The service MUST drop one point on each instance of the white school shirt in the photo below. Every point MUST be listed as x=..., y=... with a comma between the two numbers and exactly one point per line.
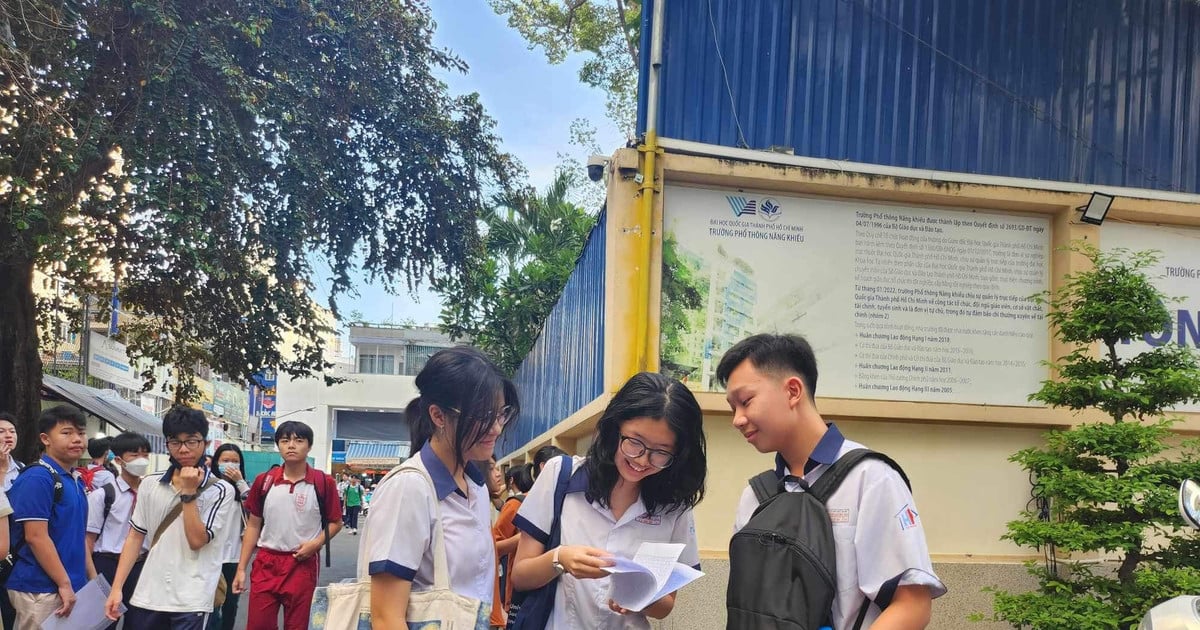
x=10, y=475
x=400, y=535
x=879, y=540
x=5, y=506
x=584, y=603
x=113, y=531
x=175, y=578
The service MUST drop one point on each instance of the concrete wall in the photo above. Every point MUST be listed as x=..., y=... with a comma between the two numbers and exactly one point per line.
x=367, y=392
x=701, y=606
x=966, y=490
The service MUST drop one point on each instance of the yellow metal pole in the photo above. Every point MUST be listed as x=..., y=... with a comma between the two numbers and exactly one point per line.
x=645, y=218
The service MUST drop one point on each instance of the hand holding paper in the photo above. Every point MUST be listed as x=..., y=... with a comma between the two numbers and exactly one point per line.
x=653, y=573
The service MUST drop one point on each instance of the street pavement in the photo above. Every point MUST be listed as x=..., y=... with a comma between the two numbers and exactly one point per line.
x=344, y=565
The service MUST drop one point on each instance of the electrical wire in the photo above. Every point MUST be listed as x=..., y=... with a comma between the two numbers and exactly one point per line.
x=725, y=73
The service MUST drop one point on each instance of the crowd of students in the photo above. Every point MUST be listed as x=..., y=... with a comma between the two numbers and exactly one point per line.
x=180, y=546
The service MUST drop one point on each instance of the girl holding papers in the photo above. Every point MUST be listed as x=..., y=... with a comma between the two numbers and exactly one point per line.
x=639, y=482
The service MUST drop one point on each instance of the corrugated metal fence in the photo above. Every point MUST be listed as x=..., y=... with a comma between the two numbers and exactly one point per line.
x=1094, y=91
x=565, y=369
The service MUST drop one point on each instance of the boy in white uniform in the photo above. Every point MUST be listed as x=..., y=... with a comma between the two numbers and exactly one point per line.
x=106, y=533
x=881, y=552
x=188, y=514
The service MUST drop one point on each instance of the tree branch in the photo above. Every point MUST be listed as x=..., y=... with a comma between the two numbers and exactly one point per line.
x=626, y=34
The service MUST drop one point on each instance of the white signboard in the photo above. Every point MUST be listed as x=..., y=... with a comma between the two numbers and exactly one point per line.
x=900, y=303
x=1177, y=275
x=107, y=361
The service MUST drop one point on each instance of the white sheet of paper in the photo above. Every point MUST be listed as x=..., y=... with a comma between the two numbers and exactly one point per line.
x=635, y=582
x=680, y=577
x=660, y=558
x=88, y=613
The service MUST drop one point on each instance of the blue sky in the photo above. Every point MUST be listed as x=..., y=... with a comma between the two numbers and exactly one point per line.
x=533, y=103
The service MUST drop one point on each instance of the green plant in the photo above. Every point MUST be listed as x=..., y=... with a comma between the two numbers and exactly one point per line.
x=1108, y=487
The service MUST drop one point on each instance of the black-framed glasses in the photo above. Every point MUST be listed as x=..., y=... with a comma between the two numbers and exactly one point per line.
x=192, y=444
x=635, y=448
x=503, y=417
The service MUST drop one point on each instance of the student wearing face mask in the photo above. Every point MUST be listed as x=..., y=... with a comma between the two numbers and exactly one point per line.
x=227, y=464
x=110, y=505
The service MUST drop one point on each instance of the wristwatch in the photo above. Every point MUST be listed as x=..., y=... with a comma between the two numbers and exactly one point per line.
x=187, y=498
x=559, y=569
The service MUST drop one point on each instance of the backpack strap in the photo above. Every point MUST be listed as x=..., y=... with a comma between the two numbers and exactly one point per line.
x=829, y=481
x=560, y=495
x=765, y=485
x=110, y=497
x=56, y=478
x=320, y=490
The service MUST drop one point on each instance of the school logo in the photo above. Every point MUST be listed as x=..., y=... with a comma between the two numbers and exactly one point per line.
x=769, y=210
x=839, y=516
x=907, y=517
x=649, y=520
x=742, y=206
x=301, y=499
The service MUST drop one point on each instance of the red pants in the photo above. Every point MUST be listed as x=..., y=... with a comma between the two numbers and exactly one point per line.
x=277, y=579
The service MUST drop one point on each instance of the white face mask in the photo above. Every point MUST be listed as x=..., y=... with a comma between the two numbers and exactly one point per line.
x=138, y=467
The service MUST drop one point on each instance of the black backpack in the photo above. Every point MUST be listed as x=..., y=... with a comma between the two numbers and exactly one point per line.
x=783, y=563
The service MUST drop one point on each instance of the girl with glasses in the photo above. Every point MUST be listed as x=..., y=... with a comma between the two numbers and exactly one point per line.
x=639, y=482
x=464, y=404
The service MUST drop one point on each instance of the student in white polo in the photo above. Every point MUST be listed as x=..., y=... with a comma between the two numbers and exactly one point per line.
x=106, y=534
x=464, y=404
x=881, y=552
x=639, y=482
x=181, y=571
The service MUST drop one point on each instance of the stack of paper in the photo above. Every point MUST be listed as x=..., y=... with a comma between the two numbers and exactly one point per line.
x=653, y=573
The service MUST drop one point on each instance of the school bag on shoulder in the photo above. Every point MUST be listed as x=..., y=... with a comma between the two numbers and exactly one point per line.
x=7, y=563
x=88, y=475
x=275, y=474
x=530, y=610
x=783, y=563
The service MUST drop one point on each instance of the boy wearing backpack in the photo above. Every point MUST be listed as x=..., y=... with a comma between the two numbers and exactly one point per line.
x=99, y=472
x=49, y=517
x=858, y=553
x=110, y=507
x=294, y=510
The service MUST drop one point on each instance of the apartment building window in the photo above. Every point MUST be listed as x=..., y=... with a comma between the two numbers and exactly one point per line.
x=376, y=364
x=416, y=356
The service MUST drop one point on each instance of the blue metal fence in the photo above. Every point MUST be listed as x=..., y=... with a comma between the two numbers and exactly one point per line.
x=565, y=369
x=1095, y=91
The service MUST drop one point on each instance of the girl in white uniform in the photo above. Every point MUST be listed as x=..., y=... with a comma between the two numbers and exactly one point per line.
x=639, y=482
x=465, y=402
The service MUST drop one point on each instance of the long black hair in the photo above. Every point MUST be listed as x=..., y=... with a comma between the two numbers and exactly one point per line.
x=464, y=384
x=652, y=395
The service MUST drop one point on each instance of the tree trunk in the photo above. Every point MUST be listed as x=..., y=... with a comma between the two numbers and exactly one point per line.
x=20, y=362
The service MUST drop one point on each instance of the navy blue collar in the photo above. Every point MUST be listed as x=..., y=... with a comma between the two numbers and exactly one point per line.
x=579, y=479
x=825, y=453
x=443, y=481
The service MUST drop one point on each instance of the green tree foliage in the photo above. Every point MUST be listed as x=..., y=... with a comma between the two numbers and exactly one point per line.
x=1111, y=486
x=531, y=246
x=608, y=32
x=682, y=295
x=199, y=153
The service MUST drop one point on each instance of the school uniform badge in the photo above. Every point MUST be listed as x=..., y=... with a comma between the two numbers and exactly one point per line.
x=907, y=517
x=649, y=520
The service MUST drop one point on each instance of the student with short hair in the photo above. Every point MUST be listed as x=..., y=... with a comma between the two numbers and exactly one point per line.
x=99, y=472
x=187, y=513
x=111, y=505
x=288, y=528
x=882, y=558
x=643, y=475
x=465, y=403
x=354, y=501
x=50, y=512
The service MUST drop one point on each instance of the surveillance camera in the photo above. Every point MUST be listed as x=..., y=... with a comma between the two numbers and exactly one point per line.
x=595, y=167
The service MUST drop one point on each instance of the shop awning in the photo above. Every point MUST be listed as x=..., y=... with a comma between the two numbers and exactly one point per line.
x=375, y=453
x=107, y=405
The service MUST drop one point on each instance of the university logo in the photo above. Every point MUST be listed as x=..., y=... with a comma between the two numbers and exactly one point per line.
x=907, y=517
x=742, y=206
x=769, y=209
